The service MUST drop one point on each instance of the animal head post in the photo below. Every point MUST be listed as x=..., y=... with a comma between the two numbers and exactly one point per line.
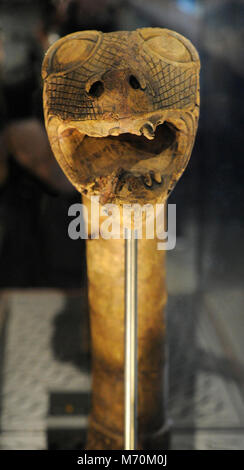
x=121, y=112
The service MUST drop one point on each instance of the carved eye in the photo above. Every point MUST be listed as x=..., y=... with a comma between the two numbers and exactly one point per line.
x=96, y=89
x=168, y=45
x=134, y=83
x=70, y=52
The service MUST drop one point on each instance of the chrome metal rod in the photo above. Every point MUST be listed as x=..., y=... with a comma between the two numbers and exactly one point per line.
x=130, y=377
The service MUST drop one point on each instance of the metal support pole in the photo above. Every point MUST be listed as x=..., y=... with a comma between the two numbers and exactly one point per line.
x=130, y=378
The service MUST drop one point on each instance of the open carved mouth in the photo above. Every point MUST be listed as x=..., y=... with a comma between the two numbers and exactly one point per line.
x=125, y=165
x=163, y=138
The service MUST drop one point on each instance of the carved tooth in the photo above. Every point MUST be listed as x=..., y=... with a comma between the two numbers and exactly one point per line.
x=148, y=131
x=148, y=180
x=157, y=177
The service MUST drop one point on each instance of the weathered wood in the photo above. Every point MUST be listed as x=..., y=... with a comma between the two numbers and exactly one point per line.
x=121, y=112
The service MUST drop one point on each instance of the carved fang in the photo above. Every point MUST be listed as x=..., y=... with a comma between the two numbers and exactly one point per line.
x=148, y=131
x=147, y=180
x=158, y=178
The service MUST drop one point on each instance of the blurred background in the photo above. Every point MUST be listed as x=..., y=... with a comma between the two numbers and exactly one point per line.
x=44, y=332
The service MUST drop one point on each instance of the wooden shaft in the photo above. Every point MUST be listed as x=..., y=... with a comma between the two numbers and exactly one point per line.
x=106, y=301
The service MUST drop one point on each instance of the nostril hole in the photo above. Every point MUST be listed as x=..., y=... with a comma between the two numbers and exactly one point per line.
x=96, y=89
x=134, y=83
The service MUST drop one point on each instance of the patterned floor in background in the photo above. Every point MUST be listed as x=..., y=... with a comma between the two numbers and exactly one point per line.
x=46, y=353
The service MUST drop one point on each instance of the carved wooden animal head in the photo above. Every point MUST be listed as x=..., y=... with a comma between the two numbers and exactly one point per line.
x=121, y=111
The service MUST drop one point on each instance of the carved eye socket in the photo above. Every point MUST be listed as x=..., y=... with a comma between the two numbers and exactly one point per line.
x=96, y=89
x=134, y=83
x=168, y=45
x=70, y=52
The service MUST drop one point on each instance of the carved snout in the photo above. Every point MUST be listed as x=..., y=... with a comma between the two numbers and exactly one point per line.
x=118, y=91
